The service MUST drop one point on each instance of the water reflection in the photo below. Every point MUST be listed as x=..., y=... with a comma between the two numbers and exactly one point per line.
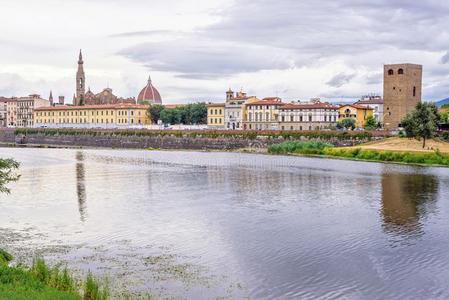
x=406, y=199
x=81, y=185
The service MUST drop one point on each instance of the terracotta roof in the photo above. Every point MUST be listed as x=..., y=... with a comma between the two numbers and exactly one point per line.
x=370, y=101
x=173, y=105
x=215, y=105
x=318, y=105
x=267, y=101
x=356, y=106
x=149, y=93
x=103, y=106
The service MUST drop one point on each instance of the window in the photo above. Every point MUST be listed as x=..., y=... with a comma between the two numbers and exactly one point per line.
x=414, y=91
x=390, y=72
x=401, y=71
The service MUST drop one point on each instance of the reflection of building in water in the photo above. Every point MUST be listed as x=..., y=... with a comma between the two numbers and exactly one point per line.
x=81, y=185
x=405, y=199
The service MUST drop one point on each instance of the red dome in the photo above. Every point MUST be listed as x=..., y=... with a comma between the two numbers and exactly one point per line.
x=149, y=94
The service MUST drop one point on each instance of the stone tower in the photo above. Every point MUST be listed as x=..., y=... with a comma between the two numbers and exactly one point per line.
x=402, y=91
x=80, y=82
x=229, y=94
x=50, y=98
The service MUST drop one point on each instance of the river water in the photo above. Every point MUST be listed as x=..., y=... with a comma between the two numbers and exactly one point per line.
x=192, y=225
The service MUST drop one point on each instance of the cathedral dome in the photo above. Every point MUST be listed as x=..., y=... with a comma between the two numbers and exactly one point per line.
x=149, y=94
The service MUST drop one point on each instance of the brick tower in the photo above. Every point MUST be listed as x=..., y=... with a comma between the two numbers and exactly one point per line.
x=80, y=82
x=402, y=91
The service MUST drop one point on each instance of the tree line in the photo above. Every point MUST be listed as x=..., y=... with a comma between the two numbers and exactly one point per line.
x=190, y=114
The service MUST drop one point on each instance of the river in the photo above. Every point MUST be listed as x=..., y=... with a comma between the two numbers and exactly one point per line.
x=194, y=225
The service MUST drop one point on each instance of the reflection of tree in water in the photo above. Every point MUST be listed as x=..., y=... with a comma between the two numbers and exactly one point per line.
x=80, y=185
x=406, y=199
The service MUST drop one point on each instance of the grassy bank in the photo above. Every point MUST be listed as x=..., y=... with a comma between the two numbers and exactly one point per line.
x=42, y=282
x=318, y=148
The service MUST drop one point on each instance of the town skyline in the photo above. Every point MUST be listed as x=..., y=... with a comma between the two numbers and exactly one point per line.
x=198, y=51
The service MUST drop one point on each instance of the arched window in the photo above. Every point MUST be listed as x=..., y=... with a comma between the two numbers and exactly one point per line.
x=401, y=71
x=390, y=72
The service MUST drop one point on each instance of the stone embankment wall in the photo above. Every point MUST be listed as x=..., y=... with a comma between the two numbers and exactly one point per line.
x=165, y=141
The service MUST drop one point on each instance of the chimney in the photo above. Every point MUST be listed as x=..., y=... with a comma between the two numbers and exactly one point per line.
x=61, y=100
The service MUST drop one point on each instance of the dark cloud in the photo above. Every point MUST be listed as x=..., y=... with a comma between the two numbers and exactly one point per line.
x=250, y=35
x=340, y=79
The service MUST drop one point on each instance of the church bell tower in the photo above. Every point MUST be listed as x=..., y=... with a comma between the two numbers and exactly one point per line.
x=80, y=82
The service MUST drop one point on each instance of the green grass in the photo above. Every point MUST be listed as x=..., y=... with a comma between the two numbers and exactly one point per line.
x=318, y=148
x=41, y=281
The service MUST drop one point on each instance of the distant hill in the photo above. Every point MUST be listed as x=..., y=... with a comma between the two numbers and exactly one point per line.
x=442, y=102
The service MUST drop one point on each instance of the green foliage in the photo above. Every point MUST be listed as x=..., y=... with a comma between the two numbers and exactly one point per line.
x=370, y=123
x=346, y=124
x=445, y=136
x=445, y=105
x=232, y=134
x=92, y=291
x=422, y=122
x=43, y=282
x=319, y=148
x=5, y=257
x=310, y=147
x=154, y=111
x=7, y=173
x=444, y=118
x=194, y=113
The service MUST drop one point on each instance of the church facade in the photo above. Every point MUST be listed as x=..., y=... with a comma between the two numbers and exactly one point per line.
x=148, y=95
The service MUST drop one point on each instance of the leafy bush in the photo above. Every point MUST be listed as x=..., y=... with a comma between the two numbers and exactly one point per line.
x=319, y=148
x=311, y=147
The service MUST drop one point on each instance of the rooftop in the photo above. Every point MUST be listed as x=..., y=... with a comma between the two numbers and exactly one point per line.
x=103, y=106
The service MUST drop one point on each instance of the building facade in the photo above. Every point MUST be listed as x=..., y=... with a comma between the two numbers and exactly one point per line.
x=402, y=91
x=308, y=116
x=235, y=109
x=356, y=112
x=26, y=107
x=92, y=116
x=216, y=116
x=11, y=116
x=376, y=103
x=263, y=114
x=3, y=111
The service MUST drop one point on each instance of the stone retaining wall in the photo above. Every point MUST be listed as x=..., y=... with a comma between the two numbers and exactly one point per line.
x=157, y=142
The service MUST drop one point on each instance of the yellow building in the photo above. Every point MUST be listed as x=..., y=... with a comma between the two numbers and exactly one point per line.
x=215, y=115
x=87, y=116
x=355, y=112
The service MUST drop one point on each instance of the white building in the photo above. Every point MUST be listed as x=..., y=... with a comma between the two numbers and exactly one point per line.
x=25, y=109
x=376, y=103
x=314, y=115
x=235, y=109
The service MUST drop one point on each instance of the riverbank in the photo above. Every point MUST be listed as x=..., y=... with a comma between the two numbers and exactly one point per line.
x=324, y=150
x=42, y=282
x=178, y=140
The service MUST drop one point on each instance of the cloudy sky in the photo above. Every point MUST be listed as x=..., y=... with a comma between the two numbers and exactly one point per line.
x=197, y=49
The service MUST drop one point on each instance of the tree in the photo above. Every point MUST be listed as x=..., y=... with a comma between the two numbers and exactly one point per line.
x=445, y=105
x=154, y=112
x=194, y=113
x=7, y=173
x=422, y=122
x=444, y=118
x=346, y=124
x=370, y=123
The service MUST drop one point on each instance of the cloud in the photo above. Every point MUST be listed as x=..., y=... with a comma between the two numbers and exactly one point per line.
x=340, y=79
x=209, y=59
x=445, y=58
